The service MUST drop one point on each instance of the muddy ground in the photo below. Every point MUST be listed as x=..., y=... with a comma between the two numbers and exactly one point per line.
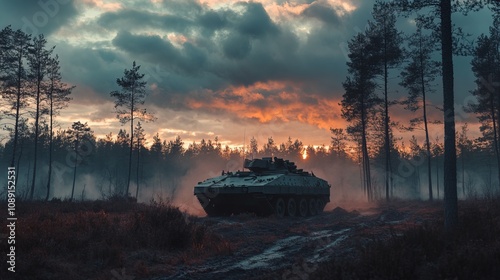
x=122, y=240
x=293, y=248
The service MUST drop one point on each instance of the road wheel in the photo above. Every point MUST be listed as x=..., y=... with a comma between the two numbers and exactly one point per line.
x=280, y=207
x=313, y=207
x=321, y=205
x=303, y=207
x=291, y=207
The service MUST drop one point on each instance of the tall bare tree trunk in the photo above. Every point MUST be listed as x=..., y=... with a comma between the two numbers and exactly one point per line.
x=50, y=145
x=424, y=108
x=462, y=159
x=450, y=155
x=386, y=132
x=131, y=145
x=495, y=137
x=74, y=170
x=366, y=158
x=137, y=170
x=18, y=104
x=437, y=175
x=37, y=119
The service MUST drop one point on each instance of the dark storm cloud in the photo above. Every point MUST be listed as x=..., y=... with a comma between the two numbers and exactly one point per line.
x=183, y=7
x=152, y=48
x=136, y=19
x=322, y=12
x=42, y=16
x=94, y=69
x=250, y=36
x=255, y=21
x=202, y=51
x=213, y=20
x=236, y=46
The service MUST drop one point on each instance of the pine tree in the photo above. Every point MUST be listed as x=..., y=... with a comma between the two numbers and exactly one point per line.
x=5, y=46
x=128, y=105
x=417, y=78
x=57, y=96
x=387, y=40
x=76, y=135
x=338, y=142
x=485, y=66
x=254, y=147
x=437, y=152
x=269, y=149
x=140, y=141
x=14, y=48
x=442, y=10
x=359, y=100
x=464, y=146
x=156, y=148
x=38, y=59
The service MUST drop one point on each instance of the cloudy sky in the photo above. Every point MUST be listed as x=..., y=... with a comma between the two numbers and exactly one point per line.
x=217, y=67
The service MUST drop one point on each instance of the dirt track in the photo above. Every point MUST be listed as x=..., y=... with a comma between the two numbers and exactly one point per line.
x=292, y=248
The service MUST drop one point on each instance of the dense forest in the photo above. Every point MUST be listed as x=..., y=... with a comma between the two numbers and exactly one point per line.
x=363, y=160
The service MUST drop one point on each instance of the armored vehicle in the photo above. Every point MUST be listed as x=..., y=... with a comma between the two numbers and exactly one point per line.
x=269, y=186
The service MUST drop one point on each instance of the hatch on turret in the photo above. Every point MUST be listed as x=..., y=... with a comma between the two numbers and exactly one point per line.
x=277, y=165
x=259, y=165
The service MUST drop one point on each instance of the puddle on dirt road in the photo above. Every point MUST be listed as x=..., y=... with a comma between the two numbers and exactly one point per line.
x=323, y=242
x=326, y=245
x=277, y=251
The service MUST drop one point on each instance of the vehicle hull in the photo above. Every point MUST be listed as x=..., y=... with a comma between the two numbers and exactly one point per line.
x=265, y=190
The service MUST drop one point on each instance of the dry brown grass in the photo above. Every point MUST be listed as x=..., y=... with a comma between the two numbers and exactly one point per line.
x=82, y=240
x=422, y=250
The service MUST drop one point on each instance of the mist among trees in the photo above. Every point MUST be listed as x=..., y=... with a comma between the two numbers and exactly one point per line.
x=362, y=161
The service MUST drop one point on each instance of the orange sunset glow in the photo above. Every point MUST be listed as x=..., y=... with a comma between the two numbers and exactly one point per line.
x=250, y=139
x=216, y=67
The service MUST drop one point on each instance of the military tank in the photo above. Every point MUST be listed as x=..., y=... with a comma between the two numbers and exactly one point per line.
x=268, y=186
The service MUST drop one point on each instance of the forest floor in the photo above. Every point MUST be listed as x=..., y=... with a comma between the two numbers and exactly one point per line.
x=123, y=240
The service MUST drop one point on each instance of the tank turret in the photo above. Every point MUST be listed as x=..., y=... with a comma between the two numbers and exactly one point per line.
x=271, y=185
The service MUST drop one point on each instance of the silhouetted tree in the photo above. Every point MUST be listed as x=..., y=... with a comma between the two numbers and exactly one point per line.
x=128, y=105
x=57, y=98
x=485, y=66
x=254, y=147
x=14, y=51
x=140, y=141
x=437, y=152
x=417, y=78
x=387, y=40
x=291, y=149
x=76, y=135
x=442, y=10
x=5, y=46
x=359, y=99
x=156, y=148
x=464, y=146
x=270, y=148
x=415, y=155
x=175, y=148
x=338, y=142
x=38, y=59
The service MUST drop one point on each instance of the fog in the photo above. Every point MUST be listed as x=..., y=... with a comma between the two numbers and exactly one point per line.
x=170, y=173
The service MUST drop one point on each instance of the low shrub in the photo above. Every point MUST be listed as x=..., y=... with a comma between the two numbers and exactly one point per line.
x=52, y=236
x=426, y=252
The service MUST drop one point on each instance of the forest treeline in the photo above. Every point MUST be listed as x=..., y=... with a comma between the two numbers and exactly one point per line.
x=364, y=159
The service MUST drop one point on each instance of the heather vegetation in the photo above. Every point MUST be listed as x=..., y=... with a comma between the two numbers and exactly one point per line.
x=425, y=251
x=59, y=239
